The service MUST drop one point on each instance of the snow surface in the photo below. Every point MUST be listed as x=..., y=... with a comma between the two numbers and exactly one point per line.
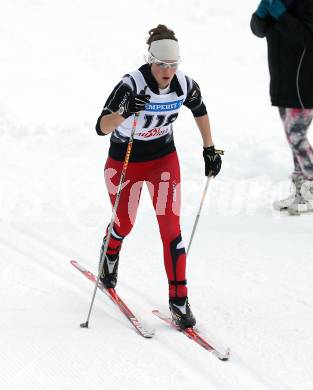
x=250, y=269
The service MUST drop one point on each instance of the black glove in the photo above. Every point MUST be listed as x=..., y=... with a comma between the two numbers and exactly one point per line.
x=135, y=103
x=212, y=160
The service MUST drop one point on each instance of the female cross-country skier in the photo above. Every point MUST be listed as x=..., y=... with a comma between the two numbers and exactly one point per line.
x=288, y=28
x=156, y=91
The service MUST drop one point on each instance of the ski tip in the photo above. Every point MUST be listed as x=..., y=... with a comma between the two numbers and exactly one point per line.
x=149, y=334
x=224, y=356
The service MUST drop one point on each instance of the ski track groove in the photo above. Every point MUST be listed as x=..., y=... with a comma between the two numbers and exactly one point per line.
x=235, y=367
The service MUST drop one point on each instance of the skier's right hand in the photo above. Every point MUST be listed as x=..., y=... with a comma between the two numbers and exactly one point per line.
x=135, y=103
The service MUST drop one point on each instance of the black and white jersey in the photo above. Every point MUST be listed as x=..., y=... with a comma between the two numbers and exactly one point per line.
x=154, y=132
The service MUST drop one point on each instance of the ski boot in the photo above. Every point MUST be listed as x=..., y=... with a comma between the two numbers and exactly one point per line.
x=108, y=273
x=303, y=201
x=283, y=204
x=181, y=313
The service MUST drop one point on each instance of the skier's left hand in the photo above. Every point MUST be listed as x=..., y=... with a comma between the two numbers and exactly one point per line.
x=212, y=160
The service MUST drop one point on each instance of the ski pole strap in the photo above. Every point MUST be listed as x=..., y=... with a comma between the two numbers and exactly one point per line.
x=177, y=282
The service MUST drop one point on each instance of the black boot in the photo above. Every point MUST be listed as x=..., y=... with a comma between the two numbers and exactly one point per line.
x=181, y=313
x=108, y=274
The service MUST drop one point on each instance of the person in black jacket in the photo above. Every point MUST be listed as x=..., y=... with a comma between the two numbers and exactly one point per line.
x=288, y=28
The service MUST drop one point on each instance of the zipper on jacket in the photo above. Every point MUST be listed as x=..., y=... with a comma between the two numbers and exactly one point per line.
x=298, y=77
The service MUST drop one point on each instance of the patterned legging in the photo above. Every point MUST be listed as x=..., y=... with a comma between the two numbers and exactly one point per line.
x=296, y=123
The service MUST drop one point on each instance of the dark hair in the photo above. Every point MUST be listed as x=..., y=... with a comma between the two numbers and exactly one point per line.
x=160, y=32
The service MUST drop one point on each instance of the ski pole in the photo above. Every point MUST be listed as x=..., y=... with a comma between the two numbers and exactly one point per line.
x=117, y=199
x=221, y=152
x=199, y=212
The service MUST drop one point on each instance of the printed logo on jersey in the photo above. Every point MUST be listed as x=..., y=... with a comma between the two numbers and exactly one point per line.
x=166, y=106
x=153, y=133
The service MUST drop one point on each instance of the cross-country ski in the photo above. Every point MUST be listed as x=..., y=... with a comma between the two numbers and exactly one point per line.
x=112, y=294
x=194, y=335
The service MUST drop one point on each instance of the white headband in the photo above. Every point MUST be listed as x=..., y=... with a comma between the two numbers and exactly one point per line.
x=165, y=50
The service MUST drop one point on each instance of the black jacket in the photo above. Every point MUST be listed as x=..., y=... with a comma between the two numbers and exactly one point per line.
x=290, y=54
